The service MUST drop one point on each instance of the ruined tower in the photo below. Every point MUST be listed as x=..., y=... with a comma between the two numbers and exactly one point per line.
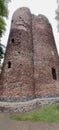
x=31, y=64
x=46, y=60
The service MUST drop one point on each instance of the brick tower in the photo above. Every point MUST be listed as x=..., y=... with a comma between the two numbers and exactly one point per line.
x=46, y=60
x=31, y=64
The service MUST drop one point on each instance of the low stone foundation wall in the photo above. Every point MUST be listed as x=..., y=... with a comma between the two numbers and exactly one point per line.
x=26, y=106
x=27, y=98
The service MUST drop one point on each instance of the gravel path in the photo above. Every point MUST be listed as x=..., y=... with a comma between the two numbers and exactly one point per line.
x=7, y=124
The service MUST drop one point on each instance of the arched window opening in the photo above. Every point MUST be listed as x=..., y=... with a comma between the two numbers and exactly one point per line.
x=54, y=73
x=9, y=64
x=12, y=40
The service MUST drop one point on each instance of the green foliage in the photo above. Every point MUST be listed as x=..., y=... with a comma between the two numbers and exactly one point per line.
x=3, y=13
x=2, y=26
x=47, y=114
x=2, y=51
x=3, y=8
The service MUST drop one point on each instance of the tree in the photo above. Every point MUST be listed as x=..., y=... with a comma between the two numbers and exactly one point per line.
x=3, y=15
x=57, y=15
x=2, y=51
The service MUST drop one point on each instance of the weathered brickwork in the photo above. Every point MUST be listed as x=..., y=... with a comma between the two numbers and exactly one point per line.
x=31, y=65
x=45, y=56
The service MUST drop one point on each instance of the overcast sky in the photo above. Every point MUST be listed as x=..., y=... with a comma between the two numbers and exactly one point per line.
x=45, y=7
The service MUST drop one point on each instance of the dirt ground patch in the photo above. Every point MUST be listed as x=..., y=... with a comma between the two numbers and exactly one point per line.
x=7, y=124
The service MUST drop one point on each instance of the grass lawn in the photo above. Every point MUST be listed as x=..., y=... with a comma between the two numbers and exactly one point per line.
x=47, y=114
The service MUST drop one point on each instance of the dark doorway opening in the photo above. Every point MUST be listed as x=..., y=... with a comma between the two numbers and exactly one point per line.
x=9, y=64
x=54, y=73
x=12, y=40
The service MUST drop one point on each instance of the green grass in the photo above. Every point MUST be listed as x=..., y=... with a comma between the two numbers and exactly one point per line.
x=47, y=114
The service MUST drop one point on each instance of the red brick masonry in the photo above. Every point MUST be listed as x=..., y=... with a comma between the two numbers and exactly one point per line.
x=31, y=64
